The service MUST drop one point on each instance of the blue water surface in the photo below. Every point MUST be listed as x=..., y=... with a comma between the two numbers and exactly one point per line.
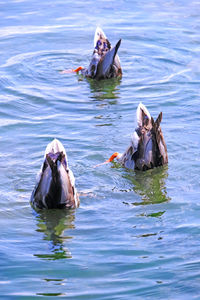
x=136, y=235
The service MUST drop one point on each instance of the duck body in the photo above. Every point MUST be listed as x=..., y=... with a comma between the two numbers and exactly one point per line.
x=105, y=62
x=55, y=187
x=147, y=149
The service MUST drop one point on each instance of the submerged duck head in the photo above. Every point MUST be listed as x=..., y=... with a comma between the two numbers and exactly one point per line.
x=55, y=187
x=148, y=148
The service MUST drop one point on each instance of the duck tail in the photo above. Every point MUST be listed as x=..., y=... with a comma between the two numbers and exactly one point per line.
x=108, y=60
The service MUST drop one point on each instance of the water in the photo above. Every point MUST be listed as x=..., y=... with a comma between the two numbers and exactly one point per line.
x=136, y=235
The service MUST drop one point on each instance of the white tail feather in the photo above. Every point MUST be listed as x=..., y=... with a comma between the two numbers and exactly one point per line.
x=139, y=113
x=135, y=140
x=54, y=147
x=97, y=34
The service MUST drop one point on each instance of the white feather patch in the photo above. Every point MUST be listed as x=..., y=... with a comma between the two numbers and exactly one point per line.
x=54, y=147
x=135, y=140
x=97, y=34
x=141, y=107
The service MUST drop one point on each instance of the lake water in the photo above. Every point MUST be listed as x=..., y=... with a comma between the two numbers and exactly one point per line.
x=136, y=235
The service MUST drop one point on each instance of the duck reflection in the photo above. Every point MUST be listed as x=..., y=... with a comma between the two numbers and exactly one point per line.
x=150, y=185
x=105, y=89
x=53, y=224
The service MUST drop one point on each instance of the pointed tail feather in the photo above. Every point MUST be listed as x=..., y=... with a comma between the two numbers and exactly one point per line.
x=99, y=34
x=107, y=60
x=143, y=115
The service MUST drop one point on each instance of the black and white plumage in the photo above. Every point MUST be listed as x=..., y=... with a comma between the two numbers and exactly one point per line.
x=147, y=149
x=55, y=187
x=105, y=62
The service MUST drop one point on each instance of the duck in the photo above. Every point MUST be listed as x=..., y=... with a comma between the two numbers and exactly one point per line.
x=105, y=62
x=147, y=148
x=55, y=185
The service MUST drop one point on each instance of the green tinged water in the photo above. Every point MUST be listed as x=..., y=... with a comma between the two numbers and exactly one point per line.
x=136, y=234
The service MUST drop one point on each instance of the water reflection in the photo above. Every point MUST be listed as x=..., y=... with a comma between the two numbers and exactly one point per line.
x=53, y=224
x=51, y=294
x=150, y=185
x=105, y=89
